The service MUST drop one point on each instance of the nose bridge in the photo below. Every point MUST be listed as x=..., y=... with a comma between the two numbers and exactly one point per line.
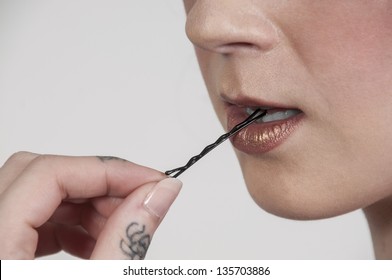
x=227, y=25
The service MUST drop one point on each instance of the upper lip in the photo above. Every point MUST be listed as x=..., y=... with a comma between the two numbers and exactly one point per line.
x=241, y=100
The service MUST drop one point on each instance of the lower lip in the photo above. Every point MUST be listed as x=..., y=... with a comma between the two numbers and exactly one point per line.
x=259, y=138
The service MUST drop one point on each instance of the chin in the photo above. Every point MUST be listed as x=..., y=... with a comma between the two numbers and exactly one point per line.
x=292, y=197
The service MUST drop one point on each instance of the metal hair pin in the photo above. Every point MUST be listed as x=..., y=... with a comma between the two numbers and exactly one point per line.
x=259, y=113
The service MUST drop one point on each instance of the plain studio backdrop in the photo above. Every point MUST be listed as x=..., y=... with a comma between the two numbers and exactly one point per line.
x=119, y=77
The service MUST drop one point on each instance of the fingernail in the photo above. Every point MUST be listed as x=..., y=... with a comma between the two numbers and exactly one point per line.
x=159, y=200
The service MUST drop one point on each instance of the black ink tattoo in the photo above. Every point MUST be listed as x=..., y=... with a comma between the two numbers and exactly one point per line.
x=137, y=242
x=107, y=158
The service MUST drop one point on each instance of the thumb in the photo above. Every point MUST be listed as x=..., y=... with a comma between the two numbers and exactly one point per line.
x=128, y=231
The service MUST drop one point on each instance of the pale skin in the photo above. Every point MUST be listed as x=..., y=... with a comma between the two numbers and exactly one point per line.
x=330, y=59
x=90, y=207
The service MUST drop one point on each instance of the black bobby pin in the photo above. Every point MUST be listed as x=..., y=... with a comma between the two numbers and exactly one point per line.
x=259, y=113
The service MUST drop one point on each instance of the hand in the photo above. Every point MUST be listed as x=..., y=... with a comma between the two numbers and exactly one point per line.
x=90, y=207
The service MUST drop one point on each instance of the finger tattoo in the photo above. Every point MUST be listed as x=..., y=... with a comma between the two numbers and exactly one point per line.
x=137, y=242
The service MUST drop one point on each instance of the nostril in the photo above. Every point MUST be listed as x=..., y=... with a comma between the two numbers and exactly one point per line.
x=243, y=45
x=233, y=47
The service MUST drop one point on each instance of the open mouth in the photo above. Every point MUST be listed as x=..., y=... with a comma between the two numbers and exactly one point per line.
x=266, y=133
x=274, y=114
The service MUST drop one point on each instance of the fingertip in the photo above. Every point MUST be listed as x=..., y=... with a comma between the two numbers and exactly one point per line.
x=162, y=196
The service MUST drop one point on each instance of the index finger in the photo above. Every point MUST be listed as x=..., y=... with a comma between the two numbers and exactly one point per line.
x=49, y=179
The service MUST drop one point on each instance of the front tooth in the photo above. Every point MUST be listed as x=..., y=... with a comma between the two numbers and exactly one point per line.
x=281, y=115
x=250, y=111
x=277, y=116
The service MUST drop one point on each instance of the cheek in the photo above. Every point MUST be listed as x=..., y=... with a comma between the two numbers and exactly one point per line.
x=347, y=48
x=349, y=57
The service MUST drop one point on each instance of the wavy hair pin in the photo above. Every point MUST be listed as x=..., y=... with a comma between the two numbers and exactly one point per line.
x=259, y=113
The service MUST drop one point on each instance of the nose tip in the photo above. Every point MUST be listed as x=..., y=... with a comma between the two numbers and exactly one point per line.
x=230, y=26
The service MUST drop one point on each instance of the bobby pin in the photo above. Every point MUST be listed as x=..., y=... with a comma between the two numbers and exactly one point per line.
x=259, y=113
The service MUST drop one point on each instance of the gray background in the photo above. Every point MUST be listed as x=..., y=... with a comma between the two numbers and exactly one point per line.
x=94, y=77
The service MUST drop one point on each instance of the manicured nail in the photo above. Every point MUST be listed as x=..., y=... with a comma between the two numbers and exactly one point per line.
x=159, y=200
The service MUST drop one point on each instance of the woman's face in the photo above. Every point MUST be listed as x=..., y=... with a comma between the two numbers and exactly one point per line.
x=324, y=71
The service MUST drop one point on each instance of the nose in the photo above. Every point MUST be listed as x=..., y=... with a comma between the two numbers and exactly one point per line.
x=226, y=26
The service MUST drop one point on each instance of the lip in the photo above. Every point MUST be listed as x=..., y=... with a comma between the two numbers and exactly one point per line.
x=259, y=138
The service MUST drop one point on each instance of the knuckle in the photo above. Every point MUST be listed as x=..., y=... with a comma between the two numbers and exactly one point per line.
x=45, y=165
x=43, y=161
x=19, y=158
x=20, y=155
